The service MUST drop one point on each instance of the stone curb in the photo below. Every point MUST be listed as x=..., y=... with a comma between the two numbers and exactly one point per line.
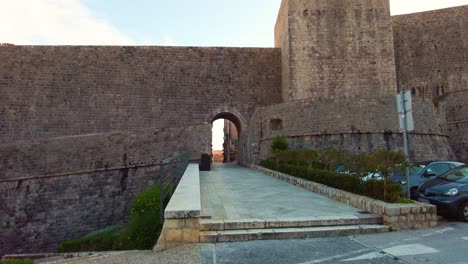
x=397, y=216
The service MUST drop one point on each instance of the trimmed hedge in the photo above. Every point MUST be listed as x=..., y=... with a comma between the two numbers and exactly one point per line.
x=373, y=188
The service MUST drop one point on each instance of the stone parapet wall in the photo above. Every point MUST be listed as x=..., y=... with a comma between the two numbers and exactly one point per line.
x=100, y=152
x=63, y=188
x=397, y=216
x=182, y=214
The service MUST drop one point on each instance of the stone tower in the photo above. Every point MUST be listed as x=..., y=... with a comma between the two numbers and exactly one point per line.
x=336, y=48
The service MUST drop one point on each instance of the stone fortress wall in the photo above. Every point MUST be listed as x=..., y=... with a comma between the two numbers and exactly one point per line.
x=335, y=48
x=340, y=75
x=432, y=60
x=66, y=187
x=326, y=123
x=51, y=91
x=75, y=119
x=83, y=129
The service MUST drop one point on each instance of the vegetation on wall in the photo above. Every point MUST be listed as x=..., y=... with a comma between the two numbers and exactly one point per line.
x=141, y=233
x=279, y=143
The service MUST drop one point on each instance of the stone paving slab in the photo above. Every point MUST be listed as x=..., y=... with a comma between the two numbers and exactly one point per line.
x=231, y=192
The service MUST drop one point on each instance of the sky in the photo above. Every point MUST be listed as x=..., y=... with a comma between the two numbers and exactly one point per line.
x=239, y=23
x=231, y=23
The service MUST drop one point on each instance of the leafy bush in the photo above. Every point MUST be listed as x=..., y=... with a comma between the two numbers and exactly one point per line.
x=346, y=182
x=141, y=233
x=279, y=144
x=145, y=225
x=101, y=240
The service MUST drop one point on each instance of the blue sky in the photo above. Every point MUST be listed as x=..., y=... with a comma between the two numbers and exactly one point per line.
x=239, y=23
x=192, y=22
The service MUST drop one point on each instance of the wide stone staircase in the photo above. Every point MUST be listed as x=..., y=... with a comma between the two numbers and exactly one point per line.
x=213, y=231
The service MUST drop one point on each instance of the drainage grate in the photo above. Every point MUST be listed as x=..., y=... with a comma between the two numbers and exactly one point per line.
x=364, y=212
x=205, y=217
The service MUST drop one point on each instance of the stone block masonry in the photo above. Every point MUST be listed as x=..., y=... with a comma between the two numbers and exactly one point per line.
x=81, y=127
x=182, y=214
x=74, y=90
x=432, y=60
x=336, y=48
x=63, y=188
x=360, y=126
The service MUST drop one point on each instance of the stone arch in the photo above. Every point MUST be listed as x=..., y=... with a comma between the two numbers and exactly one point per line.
x=240, y=124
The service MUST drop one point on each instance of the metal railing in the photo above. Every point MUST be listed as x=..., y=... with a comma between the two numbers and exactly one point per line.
x=170, y=173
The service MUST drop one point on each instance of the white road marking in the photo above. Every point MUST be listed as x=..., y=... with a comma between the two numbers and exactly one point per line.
x=465, y=238
x=372, y=255
x=398, y=251
x=336, y=256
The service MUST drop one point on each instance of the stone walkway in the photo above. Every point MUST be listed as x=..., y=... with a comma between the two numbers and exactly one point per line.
x=233, y=192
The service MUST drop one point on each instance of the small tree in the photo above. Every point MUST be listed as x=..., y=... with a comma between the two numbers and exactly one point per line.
x=279, y=144
x=358, y=163
x=385, y=161
x=333, y=157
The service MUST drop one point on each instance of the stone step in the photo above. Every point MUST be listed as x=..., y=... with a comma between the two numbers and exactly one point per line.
x=288, y=233
x=242, y=224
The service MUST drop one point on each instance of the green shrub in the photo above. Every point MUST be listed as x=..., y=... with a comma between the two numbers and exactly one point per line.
x=145, y=225
x=101, y=240
x=346, y=182
x=279, y=144
x=141, y=233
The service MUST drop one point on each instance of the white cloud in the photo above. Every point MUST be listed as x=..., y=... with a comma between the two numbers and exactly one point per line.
x=57, y=22
x=399, y=7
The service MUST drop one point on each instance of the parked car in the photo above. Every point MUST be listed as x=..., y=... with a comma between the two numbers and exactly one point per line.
x=370, y=175
x=423, y=172
x=448, y=192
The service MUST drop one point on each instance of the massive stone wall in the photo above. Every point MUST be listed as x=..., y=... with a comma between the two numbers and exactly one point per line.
x=431, y=50
x=362, y=126
x=336, y=48
x=63, y=90
x=62, y=188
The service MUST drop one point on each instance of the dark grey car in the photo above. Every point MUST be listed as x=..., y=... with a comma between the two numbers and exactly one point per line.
x=448, y=192
x=423, y=172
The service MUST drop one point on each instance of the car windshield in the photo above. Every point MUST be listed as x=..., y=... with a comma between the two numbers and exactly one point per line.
x=417, y=168
x=456, y=175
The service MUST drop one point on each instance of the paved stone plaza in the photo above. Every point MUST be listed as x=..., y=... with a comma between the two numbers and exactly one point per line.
x=230, y=191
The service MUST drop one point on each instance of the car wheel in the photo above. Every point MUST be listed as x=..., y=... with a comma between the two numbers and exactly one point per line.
x=463, y=213
x=413, y=193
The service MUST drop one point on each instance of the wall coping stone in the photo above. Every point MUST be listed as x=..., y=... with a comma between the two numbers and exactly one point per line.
x=186, y=202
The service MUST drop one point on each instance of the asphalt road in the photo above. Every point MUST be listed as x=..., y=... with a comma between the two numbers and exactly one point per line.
x=447, y=243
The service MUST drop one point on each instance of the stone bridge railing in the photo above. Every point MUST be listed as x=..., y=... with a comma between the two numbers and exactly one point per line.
x=182, y=214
